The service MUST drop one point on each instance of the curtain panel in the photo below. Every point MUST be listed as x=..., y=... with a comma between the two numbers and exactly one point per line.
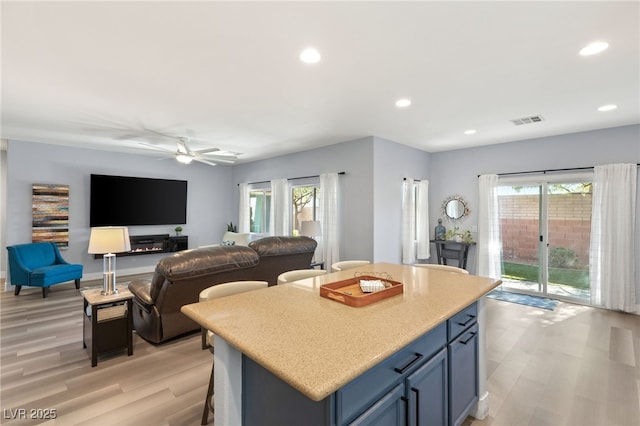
x=422, y=220
x=244, y=208
x=612, y=249
x=280, y=204
x=489, y=244
x=329, y=243
x=408, y=222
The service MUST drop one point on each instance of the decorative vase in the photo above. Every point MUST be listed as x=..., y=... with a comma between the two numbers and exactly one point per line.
x=440, y=231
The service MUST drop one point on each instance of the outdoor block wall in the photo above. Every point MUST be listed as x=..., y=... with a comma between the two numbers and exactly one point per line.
x=569, y=226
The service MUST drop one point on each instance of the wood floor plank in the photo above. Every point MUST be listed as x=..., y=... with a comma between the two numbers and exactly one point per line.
x=572, y=366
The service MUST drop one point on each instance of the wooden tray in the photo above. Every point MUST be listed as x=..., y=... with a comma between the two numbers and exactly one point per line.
x=349, y=293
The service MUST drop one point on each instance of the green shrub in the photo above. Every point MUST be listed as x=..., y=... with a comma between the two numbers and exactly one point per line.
x=560, y=257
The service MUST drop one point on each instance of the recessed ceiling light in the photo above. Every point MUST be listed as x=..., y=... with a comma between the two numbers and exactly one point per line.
x=593, y=48
x=469, y=131
x=609, y=107
x=310, y=56
x=403, y=103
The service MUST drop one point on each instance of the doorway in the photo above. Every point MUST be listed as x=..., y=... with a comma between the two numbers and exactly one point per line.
x=545, y=227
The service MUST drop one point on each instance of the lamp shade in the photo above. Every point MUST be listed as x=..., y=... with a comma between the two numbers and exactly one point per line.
x=109, y=239
x=311, y=228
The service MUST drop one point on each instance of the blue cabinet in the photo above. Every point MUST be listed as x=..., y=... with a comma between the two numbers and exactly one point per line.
x=388, y=410
x=358, y=395
x=427, y=394
x=462, y=351
x=431, y=381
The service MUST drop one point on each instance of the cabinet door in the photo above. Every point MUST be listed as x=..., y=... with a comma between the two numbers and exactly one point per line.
x=427, y=392
x=463, y=375
x=387, y=411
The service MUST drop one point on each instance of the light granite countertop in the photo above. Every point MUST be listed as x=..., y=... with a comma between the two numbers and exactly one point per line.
x=318, y=345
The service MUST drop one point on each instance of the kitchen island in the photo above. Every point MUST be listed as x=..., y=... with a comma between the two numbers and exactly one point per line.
x=308, y=351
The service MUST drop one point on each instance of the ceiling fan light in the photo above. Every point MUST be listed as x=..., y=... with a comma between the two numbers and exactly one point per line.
x=594, y=48
x=184, y=158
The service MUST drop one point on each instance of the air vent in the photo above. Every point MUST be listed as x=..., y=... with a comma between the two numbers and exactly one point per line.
x=527, y=120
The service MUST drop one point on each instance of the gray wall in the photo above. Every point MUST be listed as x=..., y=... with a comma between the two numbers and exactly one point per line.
x=356, y=186
x=209, y=189
x=456, y=172
x=392, y=163
x=371, y=189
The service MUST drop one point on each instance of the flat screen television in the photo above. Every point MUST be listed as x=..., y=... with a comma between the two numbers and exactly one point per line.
x=128, y=201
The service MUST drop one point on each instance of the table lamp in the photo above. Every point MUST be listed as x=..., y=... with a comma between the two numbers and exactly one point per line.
x=108, y=240
x=311, y=228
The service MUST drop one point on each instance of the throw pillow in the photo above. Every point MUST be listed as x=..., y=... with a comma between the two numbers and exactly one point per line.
x=228, y=243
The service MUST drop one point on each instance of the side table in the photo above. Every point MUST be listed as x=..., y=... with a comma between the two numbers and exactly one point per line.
x=108, y=322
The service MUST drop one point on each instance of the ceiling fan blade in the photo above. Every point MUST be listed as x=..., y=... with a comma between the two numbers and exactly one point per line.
x=183, y=148
x=129, y=136
x=205, y=151
x=164, y=135
x=222, y=159
x=200, y=160
x=156, y=147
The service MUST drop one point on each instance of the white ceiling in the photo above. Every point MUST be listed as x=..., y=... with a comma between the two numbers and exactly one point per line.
x=109, y=74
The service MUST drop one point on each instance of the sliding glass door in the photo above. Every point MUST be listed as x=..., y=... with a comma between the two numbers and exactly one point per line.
x=545, y=226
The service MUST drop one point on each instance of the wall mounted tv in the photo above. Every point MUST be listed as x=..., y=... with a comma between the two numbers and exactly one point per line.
x=127, y=201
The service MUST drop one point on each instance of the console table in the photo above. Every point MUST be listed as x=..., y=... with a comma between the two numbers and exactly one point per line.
x=447, y=249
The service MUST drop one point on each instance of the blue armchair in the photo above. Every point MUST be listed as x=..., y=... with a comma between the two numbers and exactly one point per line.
x=40, y=265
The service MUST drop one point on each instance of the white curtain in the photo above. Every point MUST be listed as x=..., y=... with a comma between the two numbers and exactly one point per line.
x=329, y=250
x=408, y=222
x=244, y=208
x=489, y=245
x=612, y=251
x=422, y=220
x=280, y=205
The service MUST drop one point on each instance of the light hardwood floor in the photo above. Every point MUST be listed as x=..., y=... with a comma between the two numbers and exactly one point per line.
x=575, y=365
x=572, y=366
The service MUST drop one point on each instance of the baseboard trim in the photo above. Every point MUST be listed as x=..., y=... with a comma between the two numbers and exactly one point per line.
x=481, y=409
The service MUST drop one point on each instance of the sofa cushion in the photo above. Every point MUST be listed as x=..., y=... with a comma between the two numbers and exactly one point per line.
x=277, y=246
x=205, y=261
x=35, y=255
x=53, y=274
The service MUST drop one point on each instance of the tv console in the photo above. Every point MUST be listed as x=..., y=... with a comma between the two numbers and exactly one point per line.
x=151, y=244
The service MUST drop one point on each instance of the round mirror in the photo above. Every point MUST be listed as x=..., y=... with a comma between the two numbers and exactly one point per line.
x=455, y=209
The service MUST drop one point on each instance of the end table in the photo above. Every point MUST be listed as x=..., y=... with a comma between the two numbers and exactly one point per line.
x=108, y=322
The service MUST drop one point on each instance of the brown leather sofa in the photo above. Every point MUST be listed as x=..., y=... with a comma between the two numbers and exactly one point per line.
x=178, y=280
x=281, y=254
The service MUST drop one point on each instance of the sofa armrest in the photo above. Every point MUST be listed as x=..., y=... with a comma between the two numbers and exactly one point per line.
x=59, y=258
x=19, y=273
x=141, y=290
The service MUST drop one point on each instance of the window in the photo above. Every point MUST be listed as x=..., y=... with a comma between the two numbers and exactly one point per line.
x=305, y=205
x=260, y=210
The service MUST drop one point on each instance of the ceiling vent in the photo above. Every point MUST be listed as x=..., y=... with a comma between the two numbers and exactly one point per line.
x=527, y=120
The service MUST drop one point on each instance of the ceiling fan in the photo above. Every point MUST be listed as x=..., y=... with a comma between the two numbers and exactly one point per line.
x=185, y=155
